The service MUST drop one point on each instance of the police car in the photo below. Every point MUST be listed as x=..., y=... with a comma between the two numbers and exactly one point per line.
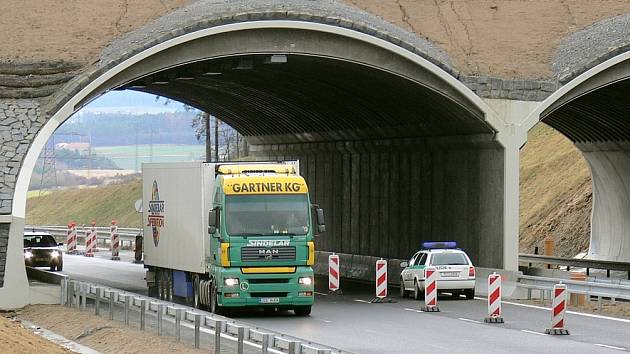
x=456, y=273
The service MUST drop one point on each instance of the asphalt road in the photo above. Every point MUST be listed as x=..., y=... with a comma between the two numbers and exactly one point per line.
x=350, y=322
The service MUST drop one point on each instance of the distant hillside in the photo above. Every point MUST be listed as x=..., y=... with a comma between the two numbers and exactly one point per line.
x=114, y=201
x=556, y=193
x=555, y=197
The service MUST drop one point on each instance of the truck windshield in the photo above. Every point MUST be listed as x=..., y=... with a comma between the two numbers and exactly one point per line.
x=264, y=215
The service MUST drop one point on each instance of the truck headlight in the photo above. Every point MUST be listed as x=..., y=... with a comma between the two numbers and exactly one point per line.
x=231, y=281
x=305, y=281
x=28, y=254
x=54, y=254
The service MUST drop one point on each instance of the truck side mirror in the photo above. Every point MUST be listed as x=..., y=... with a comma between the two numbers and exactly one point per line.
x=321, y=224
x=213, y=221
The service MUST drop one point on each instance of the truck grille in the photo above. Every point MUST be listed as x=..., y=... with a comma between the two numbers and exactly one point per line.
x=281, y=253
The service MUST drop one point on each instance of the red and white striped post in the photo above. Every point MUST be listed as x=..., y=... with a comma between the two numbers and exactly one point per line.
x=381, y=280
x=333, y=272
x=494, y=299
x=115, y=241
x=89, y=243
x=94, y=237
x=559, y=307
x=430, y=290
x=72, y=238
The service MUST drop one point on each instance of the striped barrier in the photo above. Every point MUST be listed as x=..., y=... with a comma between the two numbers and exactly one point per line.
x=381, y=279
x=558, y=309
x=71, y=243
x=494, y=299
x=333, y=272
x=94, y=237
x=381, y=282
x=430, y=290
x=115, y=241
x=90, y=241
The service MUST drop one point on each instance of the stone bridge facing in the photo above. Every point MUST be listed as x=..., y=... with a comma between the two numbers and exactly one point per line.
x=489, y=218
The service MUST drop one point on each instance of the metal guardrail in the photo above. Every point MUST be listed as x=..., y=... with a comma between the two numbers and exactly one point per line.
x=75, y=294
x=592, y=289
x=578, y=263
x=125, y=234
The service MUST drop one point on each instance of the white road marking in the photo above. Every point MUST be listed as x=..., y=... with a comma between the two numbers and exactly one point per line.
x=413, y=310
x=610, y=346
x=468, y=320
x=362, y=301
x=532, y=332
x=322, y=294
x=602, y=317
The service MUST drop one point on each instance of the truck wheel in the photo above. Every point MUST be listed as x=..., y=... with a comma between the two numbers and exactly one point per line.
x=214, y=303
x=196, y=303
x=302, y=310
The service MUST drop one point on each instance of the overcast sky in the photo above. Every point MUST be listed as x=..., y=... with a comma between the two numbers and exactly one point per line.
x=131, y=102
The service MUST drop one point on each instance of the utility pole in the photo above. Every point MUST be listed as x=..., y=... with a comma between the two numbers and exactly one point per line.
x=206, y=121
x=216, y=139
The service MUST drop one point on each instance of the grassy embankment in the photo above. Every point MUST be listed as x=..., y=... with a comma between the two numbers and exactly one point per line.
x=555, y=197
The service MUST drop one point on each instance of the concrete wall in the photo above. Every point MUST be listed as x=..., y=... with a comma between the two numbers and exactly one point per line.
x=610, y=224
x=385, y=198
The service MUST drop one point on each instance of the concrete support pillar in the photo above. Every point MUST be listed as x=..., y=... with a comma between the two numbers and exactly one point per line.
x=20, y=120
x=513, y=136
x=14, y=290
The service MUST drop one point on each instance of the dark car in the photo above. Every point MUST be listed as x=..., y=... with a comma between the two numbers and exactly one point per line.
x=41, y=250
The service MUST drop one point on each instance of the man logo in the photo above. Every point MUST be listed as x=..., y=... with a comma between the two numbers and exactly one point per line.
x=156, y=214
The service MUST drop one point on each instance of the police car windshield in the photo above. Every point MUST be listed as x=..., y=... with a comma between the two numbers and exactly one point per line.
x=264, y=215
x=39, y=241
x=448, y=259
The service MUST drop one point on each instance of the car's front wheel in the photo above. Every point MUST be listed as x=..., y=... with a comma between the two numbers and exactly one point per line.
x=403, y=292
x=417, y=293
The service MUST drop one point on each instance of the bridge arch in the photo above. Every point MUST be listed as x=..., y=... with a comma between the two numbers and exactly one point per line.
x=592, y=110
x=417, y=154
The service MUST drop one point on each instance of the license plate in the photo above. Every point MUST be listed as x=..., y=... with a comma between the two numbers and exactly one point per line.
x=449, y=274
x=269, y=300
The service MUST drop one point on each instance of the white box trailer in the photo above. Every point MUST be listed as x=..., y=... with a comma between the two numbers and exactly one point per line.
x=177, y=198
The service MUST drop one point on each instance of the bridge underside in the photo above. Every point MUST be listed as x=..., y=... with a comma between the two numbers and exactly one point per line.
x=596, y=117
x=392, y=161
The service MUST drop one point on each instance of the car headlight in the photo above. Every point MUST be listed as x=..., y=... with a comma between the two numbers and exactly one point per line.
x=305, y=281
x=54, y=254
x=28, y=254
x=231, y=281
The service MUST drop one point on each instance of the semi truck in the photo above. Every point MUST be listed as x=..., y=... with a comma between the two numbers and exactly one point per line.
x=230, y=235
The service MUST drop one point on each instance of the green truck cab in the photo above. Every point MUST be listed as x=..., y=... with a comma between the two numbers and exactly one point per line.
x=260, y=243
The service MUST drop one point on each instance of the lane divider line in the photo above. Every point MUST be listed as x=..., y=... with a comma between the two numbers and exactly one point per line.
x=469, y=320
x=592, y=315
x=362, y=301
x=610, y=346
x=532, y=332
x=413, y=310
x=322, y=294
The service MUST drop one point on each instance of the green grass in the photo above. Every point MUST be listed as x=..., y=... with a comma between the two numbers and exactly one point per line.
x=125, y=156
x=114, y=201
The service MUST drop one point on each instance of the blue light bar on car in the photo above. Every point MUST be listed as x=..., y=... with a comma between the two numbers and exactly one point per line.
x=439, y=244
